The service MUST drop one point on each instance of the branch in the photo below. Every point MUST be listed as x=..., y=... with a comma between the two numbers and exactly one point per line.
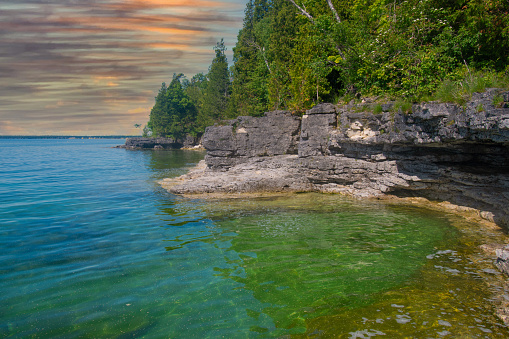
x=313, y=20
x=304, y=12
x=262, y=51
x=334, y=11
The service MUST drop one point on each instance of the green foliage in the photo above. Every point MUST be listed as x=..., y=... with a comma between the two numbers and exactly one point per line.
x=188, y=106
x=217, y=92
x=461, y=84
x=295, y=54
x=377, y=109
x=498, y=101
x=251, y=73
x=173, y=114
x=407, y=49
x=448, y=92
x=402, y=105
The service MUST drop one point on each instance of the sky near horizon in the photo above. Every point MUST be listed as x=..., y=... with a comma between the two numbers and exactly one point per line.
x=93, y=67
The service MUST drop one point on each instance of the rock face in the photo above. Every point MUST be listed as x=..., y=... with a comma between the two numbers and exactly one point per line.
x=160, y=143
x=276, y=133
x=439, y=151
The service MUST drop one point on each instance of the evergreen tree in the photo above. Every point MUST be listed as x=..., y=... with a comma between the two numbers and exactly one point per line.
x=159, y=112
x=195, y=90
x=217, y=91
x=292, y=54
x=173, y=114
x=282, y=42
x=250, y=95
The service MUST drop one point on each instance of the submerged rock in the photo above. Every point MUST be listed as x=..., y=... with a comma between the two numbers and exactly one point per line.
x=503, y=259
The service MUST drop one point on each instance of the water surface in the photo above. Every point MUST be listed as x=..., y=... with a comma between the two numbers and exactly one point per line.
x=91, y=246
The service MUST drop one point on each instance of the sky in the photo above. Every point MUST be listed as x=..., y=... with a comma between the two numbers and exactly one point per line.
x=93, y=67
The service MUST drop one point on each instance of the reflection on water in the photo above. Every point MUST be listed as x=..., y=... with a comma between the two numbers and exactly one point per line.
x=91, y=246
x=170, y=163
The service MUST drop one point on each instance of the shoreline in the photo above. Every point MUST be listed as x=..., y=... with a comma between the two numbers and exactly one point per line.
x=203, y=183
x=497, y=282
x=442, y=157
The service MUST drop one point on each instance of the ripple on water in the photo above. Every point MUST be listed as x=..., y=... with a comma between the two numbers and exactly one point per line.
x=92, y=247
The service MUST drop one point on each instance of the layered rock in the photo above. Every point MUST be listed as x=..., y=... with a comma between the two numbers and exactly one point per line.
x=276, y=133
x=438, y=151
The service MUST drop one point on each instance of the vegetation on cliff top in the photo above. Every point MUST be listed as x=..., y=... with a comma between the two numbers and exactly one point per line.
x=292, y=54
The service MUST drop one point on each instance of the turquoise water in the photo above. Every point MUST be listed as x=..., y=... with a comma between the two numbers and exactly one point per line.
x=91, y=246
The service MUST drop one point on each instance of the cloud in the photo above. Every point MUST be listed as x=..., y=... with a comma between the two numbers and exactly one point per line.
x=9, y=128
x=65, y=59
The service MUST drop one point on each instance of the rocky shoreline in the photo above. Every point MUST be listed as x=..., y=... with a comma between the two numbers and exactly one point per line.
x=441, y=156
x=189, y=142
x=441, y=152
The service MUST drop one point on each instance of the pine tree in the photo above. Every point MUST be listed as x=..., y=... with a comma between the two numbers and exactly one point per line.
x=217, y=91
x=250, y=95
x=159, y=112
x=195, y=90
x=173, y=114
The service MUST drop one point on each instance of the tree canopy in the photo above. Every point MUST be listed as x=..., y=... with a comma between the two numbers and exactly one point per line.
x=292, y=54
x=173, y=114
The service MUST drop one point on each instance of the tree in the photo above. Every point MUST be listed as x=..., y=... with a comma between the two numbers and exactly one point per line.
x=217, y=91
x=292, y=54
x=159, y=113
x=173, y=114
x=195, y=90
x=250, y=95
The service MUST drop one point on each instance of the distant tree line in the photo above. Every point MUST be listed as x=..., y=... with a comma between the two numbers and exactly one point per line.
x=292, y=54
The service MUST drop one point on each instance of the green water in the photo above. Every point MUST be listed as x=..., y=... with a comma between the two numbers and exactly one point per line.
x=326, y=266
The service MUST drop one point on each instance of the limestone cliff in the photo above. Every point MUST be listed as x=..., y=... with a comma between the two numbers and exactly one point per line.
x=439, y=151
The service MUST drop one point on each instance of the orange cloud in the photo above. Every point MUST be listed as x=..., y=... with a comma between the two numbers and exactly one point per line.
x=107, y=80
x=139, y=110
x=106, y=60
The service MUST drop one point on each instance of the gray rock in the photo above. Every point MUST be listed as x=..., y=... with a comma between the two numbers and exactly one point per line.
x=276, y=133
x=315, y=134
x=322, y=109
x=503, y=259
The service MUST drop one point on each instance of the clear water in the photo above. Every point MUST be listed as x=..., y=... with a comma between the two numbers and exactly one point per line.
x=91, y=246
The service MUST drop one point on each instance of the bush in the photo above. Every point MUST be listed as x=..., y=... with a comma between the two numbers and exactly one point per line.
x=463, y=83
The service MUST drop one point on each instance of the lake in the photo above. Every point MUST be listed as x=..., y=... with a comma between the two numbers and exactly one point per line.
x=92, y=246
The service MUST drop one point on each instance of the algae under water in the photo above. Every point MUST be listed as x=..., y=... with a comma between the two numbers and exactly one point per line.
x=328, y=266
